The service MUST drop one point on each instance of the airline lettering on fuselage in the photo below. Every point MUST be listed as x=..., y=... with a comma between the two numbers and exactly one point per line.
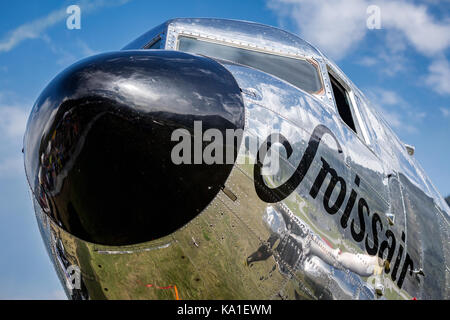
x=277, y=194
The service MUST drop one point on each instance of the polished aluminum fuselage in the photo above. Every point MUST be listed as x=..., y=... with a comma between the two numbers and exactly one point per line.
x=248, y=246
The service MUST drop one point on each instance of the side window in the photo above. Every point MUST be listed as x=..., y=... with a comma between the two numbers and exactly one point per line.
x=342, y=99
x=154, y=44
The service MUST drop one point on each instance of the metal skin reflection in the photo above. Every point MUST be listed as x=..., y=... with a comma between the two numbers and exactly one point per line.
x=275, y=195
x=349, y=214
x=89, y=162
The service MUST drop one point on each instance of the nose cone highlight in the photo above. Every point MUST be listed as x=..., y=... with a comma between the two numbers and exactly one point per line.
x=98, y=143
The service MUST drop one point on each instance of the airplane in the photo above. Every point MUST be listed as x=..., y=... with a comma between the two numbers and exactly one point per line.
x=223, y=159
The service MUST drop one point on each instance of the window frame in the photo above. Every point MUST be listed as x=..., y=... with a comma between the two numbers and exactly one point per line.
x=155, y=40
x=309, y=60
x=361, y=130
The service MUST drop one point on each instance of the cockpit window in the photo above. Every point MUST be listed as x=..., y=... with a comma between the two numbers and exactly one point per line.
x=297, y=72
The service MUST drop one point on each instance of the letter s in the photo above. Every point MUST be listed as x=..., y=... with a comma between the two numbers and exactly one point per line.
x=281, y=192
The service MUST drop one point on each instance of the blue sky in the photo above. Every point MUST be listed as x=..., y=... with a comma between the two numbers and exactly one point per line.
x=404, y=68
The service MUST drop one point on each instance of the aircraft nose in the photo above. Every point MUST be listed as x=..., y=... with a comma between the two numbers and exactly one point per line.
x=98, y=145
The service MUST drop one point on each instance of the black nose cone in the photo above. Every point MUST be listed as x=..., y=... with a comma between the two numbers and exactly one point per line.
x=98, y=143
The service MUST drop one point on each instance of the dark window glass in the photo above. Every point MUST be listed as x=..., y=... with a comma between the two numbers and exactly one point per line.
x=155, y=44
x=297, y=72
x=342, y=103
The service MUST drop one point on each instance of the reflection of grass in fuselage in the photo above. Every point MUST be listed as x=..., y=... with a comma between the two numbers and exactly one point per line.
x=120, y=273
x=344, y=243
x=84, y=255
x=221, y=259
x=293, y=204
x=246, y=164
x=246, y=167
x=336, y=234
x=126, y=275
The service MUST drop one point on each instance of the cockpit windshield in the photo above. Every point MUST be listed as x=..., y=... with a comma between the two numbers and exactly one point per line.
x=298, y=72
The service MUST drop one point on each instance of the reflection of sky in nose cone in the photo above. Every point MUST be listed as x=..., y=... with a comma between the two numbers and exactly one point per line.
x=163, y=84
x=131, y=91
x=41, y=125
x=150, y=92
x=89, y=114
x=142, y=94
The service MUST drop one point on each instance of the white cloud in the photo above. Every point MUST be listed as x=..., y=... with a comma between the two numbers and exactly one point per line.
x=338, y=25
x=400, y=114
x=12, y=121
x=31, y=30
x=445, y=112
x=387, y=63
x=35, y=29
x=368, y=61
x=335, y=26
x=11, y=166
x=425, y=33
x=389, y=98
x=392, y=64
x=14, y=111
x=85, y=49
x=439, y=76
